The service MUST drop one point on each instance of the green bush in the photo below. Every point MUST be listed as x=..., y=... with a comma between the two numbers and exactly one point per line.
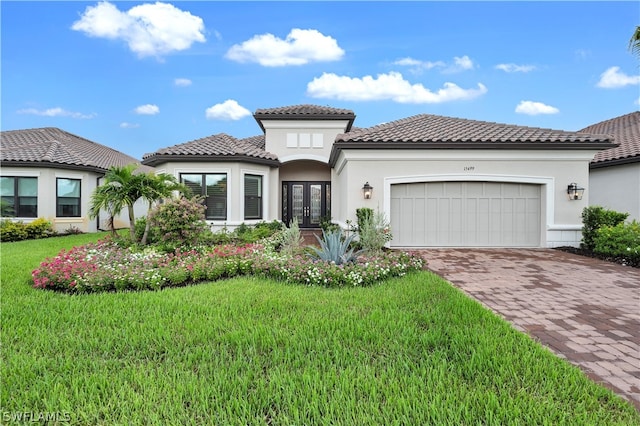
x=291, y=240
x=620, y=241
x=364, y=215
x=13, y=231
x=39, y=228
x=595, y=217
x=180, y=222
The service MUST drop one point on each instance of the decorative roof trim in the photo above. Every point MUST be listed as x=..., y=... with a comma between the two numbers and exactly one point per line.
x=53, y=165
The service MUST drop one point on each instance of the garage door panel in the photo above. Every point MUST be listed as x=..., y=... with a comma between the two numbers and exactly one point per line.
x=466, y=214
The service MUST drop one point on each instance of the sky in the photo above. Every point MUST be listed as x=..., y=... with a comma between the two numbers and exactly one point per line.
x=140, y=76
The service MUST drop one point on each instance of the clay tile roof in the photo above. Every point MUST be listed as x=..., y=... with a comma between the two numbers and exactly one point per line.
x=50, y=146
x=426, y=129
x=304, y=112
x=220, y=147
x=257, y=141
x=626, y=131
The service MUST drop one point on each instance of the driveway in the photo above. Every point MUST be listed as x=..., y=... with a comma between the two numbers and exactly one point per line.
x=585, y=310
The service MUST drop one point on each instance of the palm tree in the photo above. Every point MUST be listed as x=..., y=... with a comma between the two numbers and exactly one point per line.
x=122, y=188
x=156, y=188
x=634, y=43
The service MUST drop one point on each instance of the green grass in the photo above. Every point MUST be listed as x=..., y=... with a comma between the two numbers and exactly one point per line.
x=413, y=350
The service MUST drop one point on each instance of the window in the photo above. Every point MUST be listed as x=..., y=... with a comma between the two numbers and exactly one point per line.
x=252, y=197
x=19, y=196
x=67, y=197
x=213, y=186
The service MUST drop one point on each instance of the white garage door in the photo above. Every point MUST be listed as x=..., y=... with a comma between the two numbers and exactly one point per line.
x=465, y=214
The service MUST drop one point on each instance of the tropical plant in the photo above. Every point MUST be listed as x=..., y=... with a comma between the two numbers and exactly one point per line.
x=335, y=248
x=122, y=188
x=634, y=42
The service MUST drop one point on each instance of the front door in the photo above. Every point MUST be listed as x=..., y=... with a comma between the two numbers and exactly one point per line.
x=309, y=202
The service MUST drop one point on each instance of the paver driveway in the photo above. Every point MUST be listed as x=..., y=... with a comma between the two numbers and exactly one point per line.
x=585, y=310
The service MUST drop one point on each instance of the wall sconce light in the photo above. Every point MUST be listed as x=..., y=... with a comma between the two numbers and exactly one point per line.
x=367, y=191
x=574, y=192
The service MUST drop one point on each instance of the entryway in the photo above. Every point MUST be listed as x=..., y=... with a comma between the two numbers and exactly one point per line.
x=307, y=201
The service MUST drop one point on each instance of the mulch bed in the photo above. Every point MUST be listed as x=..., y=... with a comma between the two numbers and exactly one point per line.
x=588, y=253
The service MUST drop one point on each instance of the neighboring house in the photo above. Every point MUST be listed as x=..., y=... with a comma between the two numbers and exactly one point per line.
x=51, y=173
x=440, y=181
x=614, y=178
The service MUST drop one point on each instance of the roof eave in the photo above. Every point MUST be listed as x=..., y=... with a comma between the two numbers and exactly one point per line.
x=615, y=162
x=338, y=146
x=302, y=117
x=154, y=160
x=49, y=164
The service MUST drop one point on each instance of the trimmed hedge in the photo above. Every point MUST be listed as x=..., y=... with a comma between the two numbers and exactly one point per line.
x=619, y=242
x=595, y=217
x=18, y=230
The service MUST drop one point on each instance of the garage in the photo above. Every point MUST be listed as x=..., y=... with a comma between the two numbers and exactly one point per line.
x=466, y=214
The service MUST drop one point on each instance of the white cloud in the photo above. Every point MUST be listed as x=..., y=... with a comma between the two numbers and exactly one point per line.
x=411, y=62
x=391, y=86
x=515, y=68
x=612, y=78
x=299, y=48
x=147, y=109
x=228, y=110
x=149, y=29
x=182, y=82
x=56, y=112
x=461, y=64
x=458, y=64
x=126, y=125
x=535, y=108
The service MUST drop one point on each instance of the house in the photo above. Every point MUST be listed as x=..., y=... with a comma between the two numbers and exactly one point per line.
x=614, y=177
x=51, y=173
x=440, y=181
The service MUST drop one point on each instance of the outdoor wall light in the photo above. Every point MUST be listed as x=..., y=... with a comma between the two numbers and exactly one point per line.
x=367, y=191
x=574, y=191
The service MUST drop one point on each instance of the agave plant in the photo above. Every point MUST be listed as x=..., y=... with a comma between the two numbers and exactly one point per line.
x=335, y=248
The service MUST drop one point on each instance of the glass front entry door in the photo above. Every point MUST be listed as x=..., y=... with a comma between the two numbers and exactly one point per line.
x=309, y=202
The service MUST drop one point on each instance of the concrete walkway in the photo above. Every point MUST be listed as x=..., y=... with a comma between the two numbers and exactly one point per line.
x=585, y=310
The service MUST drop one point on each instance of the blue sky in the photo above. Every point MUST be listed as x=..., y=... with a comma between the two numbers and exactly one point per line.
x=142, y=76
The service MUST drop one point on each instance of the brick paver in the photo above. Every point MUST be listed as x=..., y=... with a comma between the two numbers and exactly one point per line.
x=585, y=310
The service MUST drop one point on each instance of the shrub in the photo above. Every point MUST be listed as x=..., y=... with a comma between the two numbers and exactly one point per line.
x=595, y=217
x=291, y=240
x=619, y=241
x=327, y=225
x=13, y=231
x=39, y=228
x=363, y=214
x=334, y=248
x=180, y=222
x=374, y=232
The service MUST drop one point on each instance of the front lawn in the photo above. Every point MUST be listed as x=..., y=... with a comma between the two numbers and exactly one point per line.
x=413, y=350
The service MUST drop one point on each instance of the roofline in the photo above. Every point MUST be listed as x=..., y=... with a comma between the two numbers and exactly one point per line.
x=614, y=162
x=53, y=165
x=156, y=159
x=301, y=117
x=339, y=146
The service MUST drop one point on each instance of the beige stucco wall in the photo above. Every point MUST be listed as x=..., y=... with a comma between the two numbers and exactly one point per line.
x=235, y=187
x=279, y=132
x=553, y=170
x=616, y=188
x=47, y=195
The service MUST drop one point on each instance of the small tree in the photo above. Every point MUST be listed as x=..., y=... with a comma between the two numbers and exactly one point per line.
x=180, y=222
x=122, y=188
x=634, y=42
x=154, y=189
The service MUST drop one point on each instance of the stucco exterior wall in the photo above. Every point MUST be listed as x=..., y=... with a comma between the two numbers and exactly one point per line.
x=616, y=188
x=235, y=187
x=47, y=195
x=553, y=170
x=302, y=140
